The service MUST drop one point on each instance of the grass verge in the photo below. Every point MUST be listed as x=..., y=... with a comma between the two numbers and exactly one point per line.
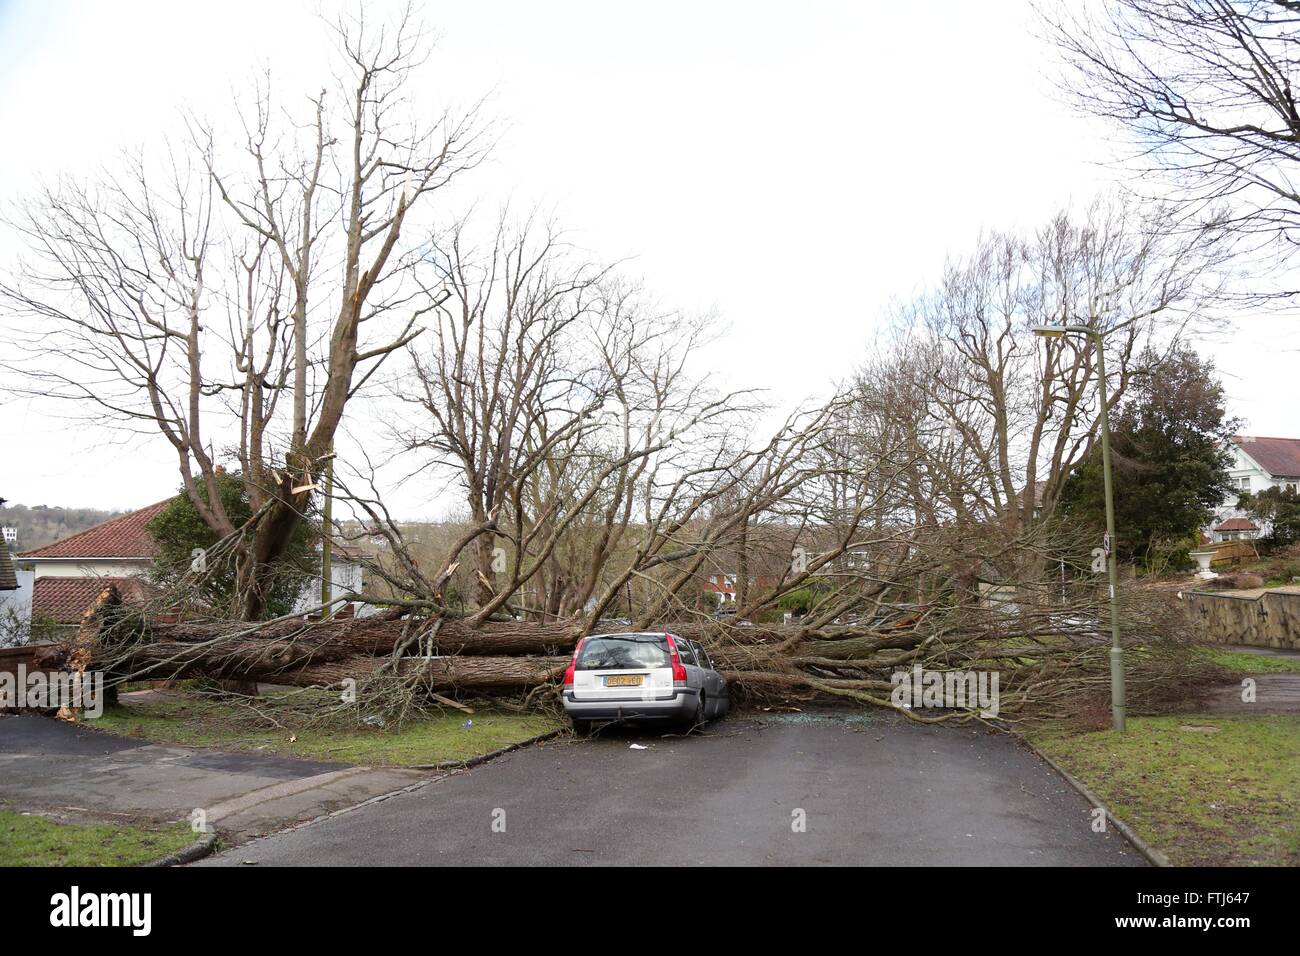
x=1243, y=662
x=281, y=724
x=27, y=840
x=1205, y=791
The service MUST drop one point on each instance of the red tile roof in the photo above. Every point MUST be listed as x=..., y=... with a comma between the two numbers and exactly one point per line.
x=65, y=599
x=1280, y=457
x=1237, y=524
x=121, y=537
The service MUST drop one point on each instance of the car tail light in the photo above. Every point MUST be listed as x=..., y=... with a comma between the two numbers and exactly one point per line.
x=568, y=671
x=679, y=672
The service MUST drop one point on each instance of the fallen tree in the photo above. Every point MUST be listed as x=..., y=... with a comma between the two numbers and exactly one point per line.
x=837, y=522
x=1049, y=660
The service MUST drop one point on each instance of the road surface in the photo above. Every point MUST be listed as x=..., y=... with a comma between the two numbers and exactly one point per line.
x=796, y=789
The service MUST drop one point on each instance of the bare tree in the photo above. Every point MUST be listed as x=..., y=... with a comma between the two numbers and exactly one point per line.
x=235, y=305
x=594, y=463
x=495, y=396
x=556, y=399
x=993, y=418
x=1204, y=88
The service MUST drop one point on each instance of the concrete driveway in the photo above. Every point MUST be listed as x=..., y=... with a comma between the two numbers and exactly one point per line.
x=869, y=789
x=72, y=771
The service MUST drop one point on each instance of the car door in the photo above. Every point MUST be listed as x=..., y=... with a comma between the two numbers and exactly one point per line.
x=724, y=692
x=694, y=673
x=713, y=684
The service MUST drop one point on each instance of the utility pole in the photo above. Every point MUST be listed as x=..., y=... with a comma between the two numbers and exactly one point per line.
x=327, y=515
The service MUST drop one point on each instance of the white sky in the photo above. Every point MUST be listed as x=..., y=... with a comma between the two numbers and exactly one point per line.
x=793, y=167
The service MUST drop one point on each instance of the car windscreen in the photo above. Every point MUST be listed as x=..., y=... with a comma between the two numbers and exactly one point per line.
x=623, y=653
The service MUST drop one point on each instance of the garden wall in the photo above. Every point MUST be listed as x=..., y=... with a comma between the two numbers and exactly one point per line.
x=1254, y=618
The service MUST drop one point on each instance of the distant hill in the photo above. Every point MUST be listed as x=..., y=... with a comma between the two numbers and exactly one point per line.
x=39, y=525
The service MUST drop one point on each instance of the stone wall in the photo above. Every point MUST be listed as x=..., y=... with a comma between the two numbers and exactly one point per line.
x=1264, y=618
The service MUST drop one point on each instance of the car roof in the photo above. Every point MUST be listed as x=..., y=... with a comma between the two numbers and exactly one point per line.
x=633, y=634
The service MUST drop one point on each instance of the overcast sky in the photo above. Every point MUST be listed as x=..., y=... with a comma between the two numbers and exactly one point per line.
x=793, y=167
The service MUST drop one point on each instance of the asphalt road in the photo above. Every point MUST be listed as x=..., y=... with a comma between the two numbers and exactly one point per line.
x=873, y=790
x=74, y=772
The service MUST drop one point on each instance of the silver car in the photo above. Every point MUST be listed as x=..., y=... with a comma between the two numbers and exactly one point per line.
x=651, y=676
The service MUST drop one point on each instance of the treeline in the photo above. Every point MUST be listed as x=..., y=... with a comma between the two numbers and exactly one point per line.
x=39, y=525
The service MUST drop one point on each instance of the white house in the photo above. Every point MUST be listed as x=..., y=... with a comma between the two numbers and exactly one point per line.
x=346, y=564
x=1258, y=463
x=70, y=573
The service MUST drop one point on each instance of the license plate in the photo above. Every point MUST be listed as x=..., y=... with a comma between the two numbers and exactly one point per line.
x=625, y=680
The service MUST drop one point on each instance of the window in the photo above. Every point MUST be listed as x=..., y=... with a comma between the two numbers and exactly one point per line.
x=624, y=652
x=703, y=656
x=1244, y=483
x=685, y=653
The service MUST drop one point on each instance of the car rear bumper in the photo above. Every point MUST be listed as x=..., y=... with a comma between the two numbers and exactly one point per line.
x=681, y=704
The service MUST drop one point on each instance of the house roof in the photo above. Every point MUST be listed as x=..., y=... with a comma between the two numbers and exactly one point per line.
x=65, y=600
x=122, y=537
x=351, y=552
x=8, y=578
x=1280, y=457
x=1236, y=524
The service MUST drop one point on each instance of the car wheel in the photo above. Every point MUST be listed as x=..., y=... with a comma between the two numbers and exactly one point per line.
x=701, y=711
x=581, y=728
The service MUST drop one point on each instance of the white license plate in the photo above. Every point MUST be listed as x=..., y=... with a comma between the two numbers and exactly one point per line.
x=625, y=680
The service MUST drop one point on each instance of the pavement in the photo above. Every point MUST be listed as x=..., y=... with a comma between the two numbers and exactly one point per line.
x=77, y=773
x=1275, y=693
x=797, y=789
x=1260, y=651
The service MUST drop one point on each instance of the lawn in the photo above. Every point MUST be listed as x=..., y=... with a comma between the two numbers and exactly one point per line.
x=1242, y=662
x=284, y=724
x=35, y=841
x=1212, y=791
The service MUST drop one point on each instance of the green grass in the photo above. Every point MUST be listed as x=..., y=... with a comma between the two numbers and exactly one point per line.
x=1212, y=791
x=281, y=725
x=1241, y=662
x=36, y=841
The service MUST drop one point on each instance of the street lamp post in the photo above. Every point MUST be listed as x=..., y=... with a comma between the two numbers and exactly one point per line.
x=326, y=549
x=1117, y=703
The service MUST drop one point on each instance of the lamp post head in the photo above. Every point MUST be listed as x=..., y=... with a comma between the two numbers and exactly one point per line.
x=1049, y=331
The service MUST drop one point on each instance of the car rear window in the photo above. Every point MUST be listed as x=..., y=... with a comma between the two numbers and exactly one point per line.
x=623, y=653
